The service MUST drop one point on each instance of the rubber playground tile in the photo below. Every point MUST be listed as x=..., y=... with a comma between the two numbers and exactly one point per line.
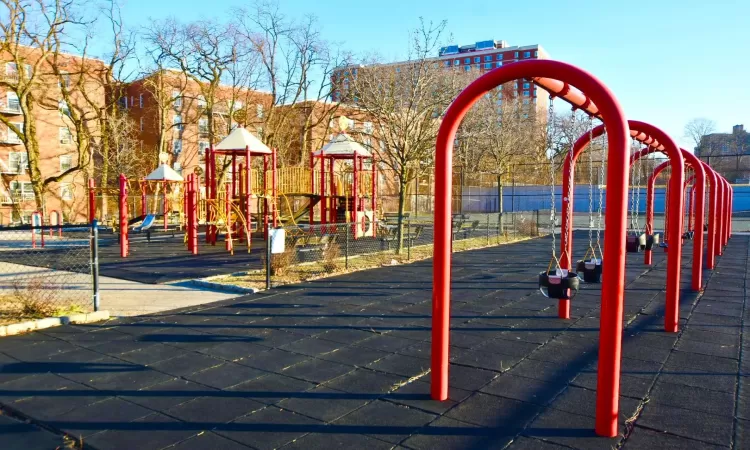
x=325, y=404
x=186, y=364
x=508, y=415
x=38, y=350
x=469, y=378
x=688, y=423
x=568, y=429
x=269, y=428
x=644, y=438
x=225, y=375
x=312, y=346
x=583, y=401
x=386, y=343
x=273, y=360
x=385, y=421
x=167, y=394
x=19, y=435
x=234, y=351
x=709, y=337
x=713, y=402
x=152, y=432
x=367, y=383
x=450, y=434
x=708, y=349
x=213, y=409
x=34, y=384
x=354, y=356
x=506, y=347
x=526, y=443
x=93, y=418
x=209, y=441
x=277, y=338
x=153, y=354
x=272, y=388
x=417, y=395
x=325, y=441
x=524, y=389
x=483, y=360
x=687, y=360
x=346, y=336
x=130, y=380
x=317, y=370
x=544, y=371
x=406, y=366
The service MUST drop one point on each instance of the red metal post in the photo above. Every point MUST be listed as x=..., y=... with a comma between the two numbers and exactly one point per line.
x=713, y=195
x=249, y=195
x=355, y=193
x=323, y=196
x=92, y=200
x=265, y=197
x=333, y=207
x=699, y=199
x=124, y=247
x=274, y=189
x=373, y=197
x=607, y=407
x=311, y=214
x=720, y=217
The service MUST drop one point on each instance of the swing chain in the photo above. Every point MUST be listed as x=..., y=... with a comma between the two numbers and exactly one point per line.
x=550, y=130
x=591, y=182
x=639, y=176
x=599, y=222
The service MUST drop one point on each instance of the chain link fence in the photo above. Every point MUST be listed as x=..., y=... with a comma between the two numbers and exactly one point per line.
x=313, y=251
x=47, y=271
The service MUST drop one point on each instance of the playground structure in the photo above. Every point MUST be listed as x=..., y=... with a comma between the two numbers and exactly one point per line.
x=240, y=195
x=585, y=93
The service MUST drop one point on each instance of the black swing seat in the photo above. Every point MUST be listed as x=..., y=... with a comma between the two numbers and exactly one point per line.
x=635, y=243
x=554, y=284
x=688, y=235
x=652, y=240
x=590, y=270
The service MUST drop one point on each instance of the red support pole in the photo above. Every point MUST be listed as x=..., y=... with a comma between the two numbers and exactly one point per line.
x=607, y=407
x=698, y=197
x=333, y=207
x=92, y=200
x=311, y=214
x=691, y=204
x=720, y=217
x=323, y=196
x=712, y=200
x=194, y=212
x=355, y=191
x=124, y=247
x=373, y=197
x=165, y=206
x=274, y=189
x=265, y=197
x=727, y=212
x=249, y=195
x=188, y=208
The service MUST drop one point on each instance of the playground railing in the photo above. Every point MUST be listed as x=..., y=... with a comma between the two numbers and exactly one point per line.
x=47, y=271
x=312, y=251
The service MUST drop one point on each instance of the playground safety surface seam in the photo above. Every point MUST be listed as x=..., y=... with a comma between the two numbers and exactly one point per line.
x=342, y=363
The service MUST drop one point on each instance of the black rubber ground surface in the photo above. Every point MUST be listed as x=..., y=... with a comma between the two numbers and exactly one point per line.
x=342, y=363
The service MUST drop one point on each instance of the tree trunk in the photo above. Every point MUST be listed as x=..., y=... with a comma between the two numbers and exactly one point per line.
x=401, y=206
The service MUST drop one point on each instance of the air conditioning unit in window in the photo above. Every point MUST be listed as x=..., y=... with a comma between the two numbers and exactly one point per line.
x=65, y=140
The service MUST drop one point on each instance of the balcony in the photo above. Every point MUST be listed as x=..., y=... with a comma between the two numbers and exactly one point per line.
x=12, y=107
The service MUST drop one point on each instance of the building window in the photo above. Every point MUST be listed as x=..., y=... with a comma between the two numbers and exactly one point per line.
x=177, y=146
x=65, y=82
x=526, y=101
x=515, y=55
x=141, y=123
x=526, y=85
x=65, y=136
x=66, y=191
x=525, y=93
x=488, y=65
x=457, y=62
x=176, y=99
x=488, y=58
x=201, y=101
x=527, y=54
x=467, y=68
x=203, y=125
x=22, y=190
x=499, y=57
x=12, y=104
x=123, y=102
x=467, y=60
x=536, y=54
x=64, y=108
x=499, y=64
x=177, y=122
x=259, y=111
x=447, y=63
x=11, y=70
x=202, y=147
x=477, y=59
x=13, y=137
x=367, y=127
x=18, y=162
x=177, y=167
x=140, y=100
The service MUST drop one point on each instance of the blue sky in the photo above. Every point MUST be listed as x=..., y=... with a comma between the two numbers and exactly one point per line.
x=667, y=61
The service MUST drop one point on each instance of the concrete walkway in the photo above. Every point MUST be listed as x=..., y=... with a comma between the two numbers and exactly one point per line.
x=343, y=363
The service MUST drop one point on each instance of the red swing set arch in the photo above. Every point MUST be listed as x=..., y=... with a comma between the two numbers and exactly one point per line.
x=585, y=92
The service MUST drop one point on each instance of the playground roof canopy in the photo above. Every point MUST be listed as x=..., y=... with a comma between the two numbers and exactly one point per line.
x=164, y=173
x=343, y=146
x=240, y=140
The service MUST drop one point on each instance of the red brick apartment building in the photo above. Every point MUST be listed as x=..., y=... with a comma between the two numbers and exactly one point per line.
x=46, y=129
x=481, y=56
x=176, y=114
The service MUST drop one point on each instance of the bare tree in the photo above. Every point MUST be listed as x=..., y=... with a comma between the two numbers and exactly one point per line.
x=405, y=103
x=295, y=65
x=696, y=129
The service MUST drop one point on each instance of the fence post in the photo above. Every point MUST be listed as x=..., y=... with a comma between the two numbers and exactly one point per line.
x=268, y=257
x=488, y=229
x=94, y=246
x=408, y=239
x=537, y=222
x=347, y=231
